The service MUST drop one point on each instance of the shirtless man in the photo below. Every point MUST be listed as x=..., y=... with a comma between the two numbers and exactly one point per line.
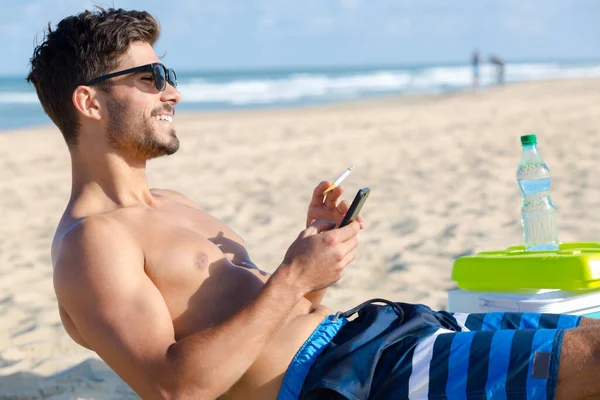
x=168, y=297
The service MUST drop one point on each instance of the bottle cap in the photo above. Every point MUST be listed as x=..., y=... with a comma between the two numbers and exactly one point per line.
x=528, y=140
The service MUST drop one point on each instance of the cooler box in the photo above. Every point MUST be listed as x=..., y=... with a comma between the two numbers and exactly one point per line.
x=544, y=301
x=566, y=281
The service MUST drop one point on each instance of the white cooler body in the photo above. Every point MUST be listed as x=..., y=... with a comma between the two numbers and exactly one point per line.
x=580, y=302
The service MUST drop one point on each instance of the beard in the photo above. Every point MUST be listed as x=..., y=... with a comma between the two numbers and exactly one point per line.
x=135, y=135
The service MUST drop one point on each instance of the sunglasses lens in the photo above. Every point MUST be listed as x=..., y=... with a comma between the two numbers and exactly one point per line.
x=172, y=78
x=159, y=77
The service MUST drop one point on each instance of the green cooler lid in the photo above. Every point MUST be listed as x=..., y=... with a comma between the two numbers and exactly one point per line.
x=574, y=266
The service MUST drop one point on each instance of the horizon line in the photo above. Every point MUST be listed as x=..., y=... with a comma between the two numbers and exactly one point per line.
x=309, y=67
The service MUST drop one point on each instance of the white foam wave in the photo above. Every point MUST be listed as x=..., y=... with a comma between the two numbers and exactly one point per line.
x=442, y=77
x=314, y=86
x=18, y=98
x=529, y=72
x=294, y=87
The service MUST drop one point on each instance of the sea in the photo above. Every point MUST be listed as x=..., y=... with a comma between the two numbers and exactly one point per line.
x=268, y=88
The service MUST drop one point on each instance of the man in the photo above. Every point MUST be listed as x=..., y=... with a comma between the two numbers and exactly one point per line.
x=499, y=64
x=475, y=65
x=169, y=298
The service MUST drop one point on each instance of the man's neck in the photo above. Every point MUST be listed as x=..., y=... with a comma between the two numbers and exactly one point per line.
x=109, y=180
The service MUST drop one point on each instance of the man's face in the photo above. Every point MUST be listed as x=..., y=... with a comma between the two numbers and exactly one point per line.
x=139, y=122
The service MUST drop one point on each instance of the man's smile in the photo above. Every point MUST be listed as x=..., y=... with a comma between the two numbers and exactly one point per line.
x=164, y=117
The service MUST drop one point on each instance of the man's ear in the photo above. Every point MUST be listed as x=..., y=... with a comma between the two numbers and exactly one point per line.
x=86, y=102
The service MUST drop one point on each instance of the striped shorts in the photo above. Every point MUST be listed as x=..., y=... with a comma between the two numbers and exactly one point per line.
x=407, y=351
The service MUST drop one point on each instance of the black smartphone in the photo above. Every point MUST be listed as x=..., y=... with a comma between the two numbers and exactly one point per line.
x=356, y=206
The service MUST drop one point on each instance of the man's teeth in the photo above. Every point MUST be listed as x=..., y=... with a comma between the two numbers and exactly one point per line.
x=164, y=118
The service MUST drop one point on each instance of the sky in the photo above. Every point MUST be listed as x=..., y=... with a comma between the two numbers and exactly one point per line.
x=249, y=34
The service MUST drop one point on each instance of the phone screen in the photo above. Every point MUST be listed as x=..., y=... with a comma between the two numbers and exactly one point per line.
x=356, y=206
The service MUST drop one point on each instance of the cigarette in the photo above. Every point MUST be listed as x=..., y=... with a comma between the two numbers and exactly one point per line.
x=339, y=179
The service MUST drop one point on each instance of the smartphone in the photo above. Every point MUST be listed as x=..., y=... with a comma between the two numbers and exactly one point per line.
x=356, y=206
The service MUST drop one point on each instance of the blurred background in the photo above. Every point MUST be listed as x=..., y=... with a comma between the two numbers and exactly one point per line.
x=266, y=53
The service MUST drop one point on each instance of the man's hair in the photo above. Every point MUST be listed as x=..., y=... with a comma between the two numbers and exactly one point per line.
x=81, y=48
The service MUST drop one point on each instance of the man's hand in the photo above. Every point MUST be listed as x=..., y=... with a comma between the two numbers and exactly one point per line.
x=328, y=207
x=318, y=256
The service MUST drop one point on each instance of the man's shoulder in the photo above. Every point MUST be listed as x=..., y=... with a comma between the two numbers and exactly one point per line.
x=96, y=227
x=93, y=252
x=173, y=195
x=95, y=237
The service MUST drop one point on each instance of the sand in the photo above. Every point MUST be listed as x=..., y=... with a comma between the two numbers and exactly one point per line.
x=441, y=170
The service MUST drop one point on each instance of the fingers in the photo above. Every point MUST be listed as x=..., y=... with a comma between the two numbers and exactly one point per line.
x=361, y=221
x=316, y=202
x=343, y=207
x=320, y=225
x=322, y=205
x=350, y=244
x=333, y=197
x=348, y=231
x=347, y=250
x=349, y=257
x=318, y=196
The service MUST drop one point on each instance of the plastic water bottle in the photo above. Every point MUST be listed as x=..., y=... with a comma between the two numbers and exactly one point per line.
x=538, y=214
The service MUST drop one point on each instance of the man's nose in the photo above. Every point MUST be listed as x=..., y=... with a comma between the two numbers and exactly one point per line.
x=171, y=94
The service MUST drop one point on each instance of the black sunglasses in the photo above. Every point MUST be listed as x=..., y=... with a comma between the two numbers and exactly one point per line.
x=160, y=73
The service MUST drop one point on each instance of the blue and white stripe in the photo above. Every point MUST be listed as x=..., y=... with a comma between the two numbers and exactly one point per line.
x=490, y=358
x=461, y=320
x=418, y=383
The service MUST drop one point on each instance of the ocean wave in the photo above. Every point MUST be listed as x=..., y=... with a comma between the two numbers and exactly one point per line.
x=264, y=88
x=530, y=72
x=306, y=86
x=18, y=98
x=294, y=87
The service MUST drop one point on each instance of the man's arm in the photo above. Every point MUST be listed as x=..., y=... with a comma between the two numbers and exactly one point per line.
x=100, y=282
x=315, y=297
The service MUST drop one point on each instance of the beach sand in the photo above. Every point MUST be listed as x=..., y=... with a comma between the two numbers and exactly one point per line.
x=441, y=171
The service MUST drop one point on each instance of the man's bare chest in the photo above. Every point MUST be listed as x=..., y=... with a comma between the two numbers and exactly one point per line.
x=197, y=263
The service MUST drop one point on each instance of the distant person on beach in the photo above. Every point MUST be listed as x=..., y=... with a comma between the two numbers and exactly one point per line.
x=168, y=296
x=475, y=65
x=499, y=64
